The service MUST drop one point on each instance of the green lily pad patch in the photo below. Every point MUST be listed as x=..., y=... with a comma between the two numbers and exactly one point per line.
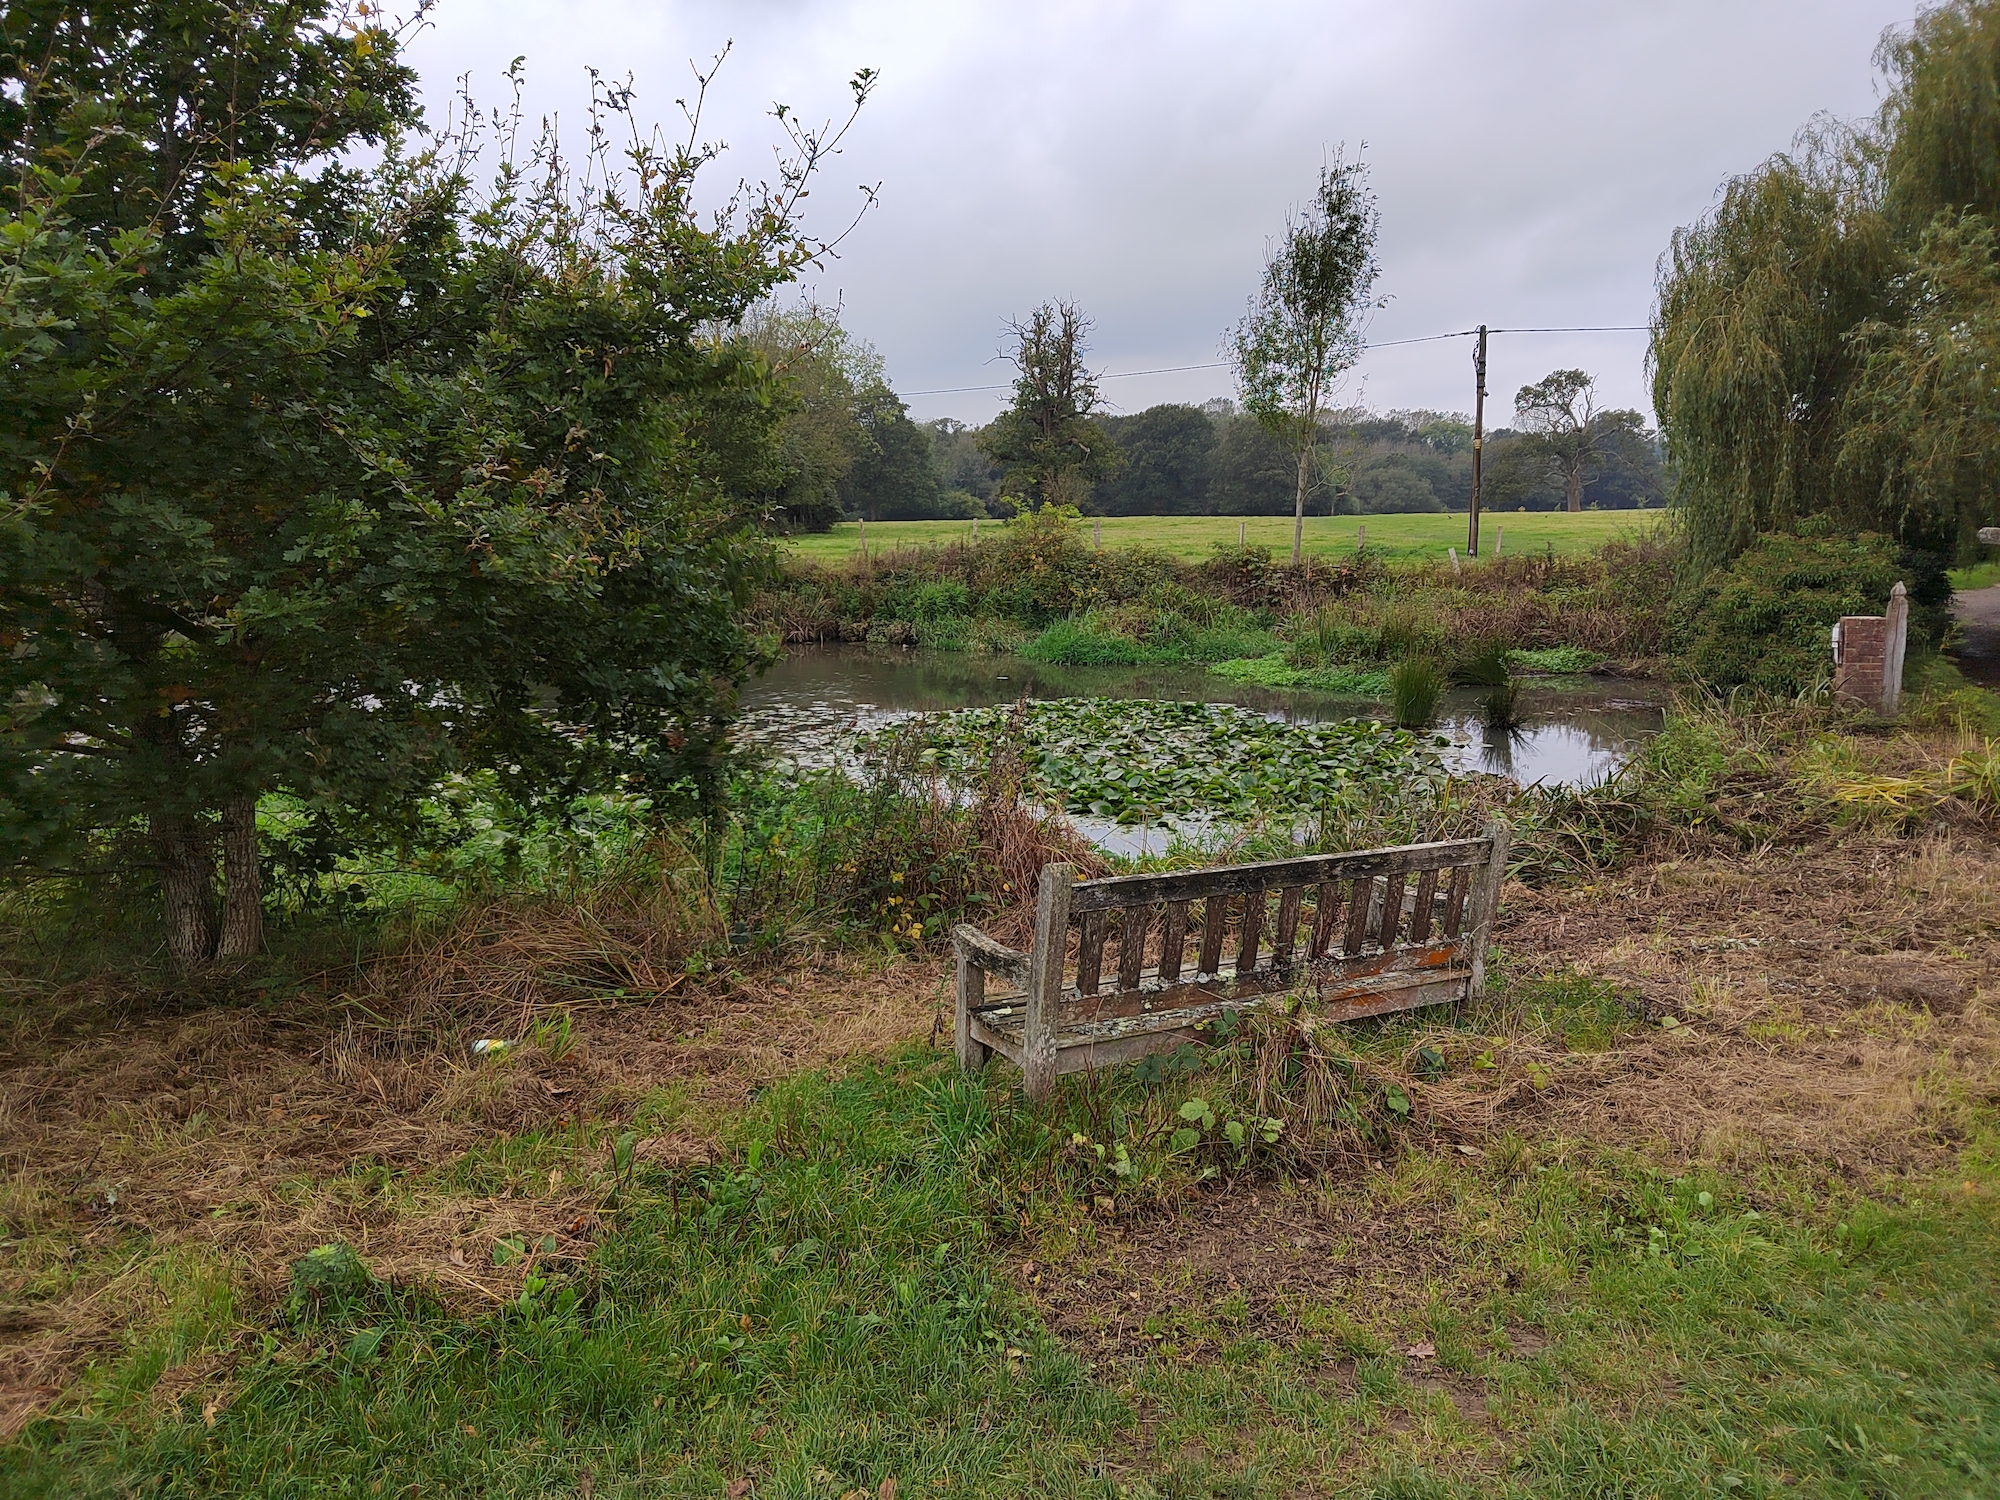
x=1144, y=761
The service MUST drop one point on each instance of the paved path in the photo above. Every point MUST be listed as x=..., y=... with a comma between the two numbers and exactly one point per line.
x=1978, y=612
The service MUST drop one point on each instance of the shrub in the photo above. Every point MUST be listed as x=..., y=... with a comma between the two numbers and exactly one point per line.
x=1764, y=621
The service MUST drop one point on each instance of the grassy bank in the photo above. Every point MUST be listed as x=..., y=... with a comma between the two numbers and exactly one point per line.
x=1037, y=587
x=1193, y=538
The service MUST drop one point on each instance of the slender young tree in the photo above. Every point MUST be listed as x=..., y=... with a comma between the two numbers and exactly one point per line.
x=1306, y=325
x=1559, y=412
x=1051, y=447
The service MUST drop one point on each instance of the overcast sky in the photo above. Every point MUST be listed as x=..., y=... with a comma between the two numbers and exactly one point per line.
x=1532, y=158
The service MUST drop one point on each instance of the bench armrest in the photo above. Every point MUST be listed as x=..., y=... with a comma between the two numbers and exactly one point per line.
x=979, y=950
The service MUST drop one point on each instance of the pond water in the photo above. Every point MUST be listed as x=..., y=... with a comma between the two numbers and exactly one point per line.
x=1575, y=730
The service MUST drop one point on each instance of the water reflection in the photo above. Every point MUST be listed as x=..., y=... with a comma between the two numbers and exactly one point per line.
x=1573, y=731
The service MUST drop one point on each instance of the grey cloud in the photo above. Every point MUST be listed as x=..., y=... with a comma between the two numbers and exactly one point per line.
x=1532, y=159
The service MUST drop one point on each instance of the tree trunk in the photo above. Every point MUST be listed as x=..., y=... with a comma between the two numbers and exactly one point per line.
x=1574, y=482
x=1299, y=508
x=187, y=889
x=242, y=881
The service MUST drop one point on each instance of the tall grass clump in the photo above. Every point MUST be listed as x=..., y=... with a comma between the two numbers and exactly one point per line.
x=1415, y=685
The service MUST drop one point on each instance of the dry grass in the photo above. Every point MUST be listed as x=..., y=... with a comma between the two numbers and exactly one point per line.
x=243, y=1137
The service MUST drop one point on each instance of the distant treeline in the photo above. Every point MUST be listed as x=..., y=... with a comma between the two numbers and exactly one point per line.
x=1212, y=460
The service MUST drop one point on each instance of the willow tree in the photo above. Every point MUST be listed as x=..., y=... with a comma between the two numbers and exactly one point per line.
x=1305, y=326
x=1827, y=337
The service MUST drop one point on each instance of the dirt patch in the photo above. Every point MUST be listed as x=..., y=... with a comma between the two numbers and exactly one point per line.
x=1832, y=1002
x=1249, y=1264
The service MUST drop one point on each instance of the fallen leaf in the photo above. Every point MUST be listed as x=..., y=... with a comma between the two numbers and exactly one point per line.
x=1424, y=1350
x=457, y=1256
x=1471, y=1151
x=210, y=1407
x=886, y=1490
x=738, y=1488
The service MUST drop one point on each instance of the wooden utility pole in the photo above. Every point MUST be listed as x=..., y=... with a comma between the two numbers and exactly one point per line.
x=1478, y=437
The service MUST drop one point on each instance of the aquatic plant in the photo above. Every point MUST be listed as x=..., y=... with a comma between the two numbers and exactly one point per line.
x=1415, y=685
x=1485, y=665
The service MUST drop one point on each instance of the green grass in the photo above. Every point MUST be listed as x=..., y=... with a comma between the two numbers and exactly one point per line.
x=1194, y=538
x=1274, y=671
x=833, y=1307
x=1981, y=575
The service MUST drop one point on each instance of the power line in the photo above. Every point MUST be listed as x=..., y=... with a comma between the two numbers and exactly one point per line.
x=1220, y=364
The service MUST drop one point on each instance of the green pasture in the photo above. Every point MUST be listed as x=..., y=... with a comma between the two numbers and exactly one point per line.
x=1195, y=537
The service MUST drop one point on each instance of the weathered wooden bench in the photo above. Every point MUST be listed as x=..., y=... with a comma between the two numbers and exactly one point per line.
x=1369, y=932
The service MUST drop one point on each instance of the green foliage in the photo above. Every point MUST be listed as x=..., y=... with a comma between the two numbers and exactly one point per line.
x=1764, y=620
x=876, y=853
x=1136, y=761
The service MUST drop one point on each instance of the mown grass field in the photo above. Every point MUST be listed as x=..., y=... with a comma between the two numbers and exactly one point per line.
x=1195, y=537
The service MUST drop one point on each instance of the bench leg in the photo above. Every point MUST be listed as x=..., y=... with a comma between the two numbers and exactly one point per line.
x=972, y=1053
x=1486, y=907
x=1045, y=981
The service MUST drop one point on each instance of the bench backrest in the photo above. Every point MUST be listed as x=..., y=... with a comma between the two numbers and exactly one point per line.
x=1373, y=930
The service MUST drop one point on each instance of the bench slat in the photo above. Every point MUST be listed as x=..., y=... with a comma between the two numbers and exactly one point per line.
x=1392, y=911
x=1253, y=931
x=1132, y=946
x=1189, y=885
x=1288, y=925
x=1420, y=919
x=1454, y=903
x=1214, y=919
x=1359, y=899
x=1326, y=914
x=1089, y=952
x=1192, y=1006
x=1173, y=940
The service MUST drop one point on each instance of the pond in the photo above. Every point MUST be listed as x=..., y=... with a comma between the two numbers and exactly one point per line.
x=1575, y=731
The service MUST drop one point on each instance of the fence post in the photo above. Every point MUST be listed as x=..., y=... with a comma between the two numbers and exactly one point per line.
x=1898, y=635
x=1486, y=905
x=1045, y=980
